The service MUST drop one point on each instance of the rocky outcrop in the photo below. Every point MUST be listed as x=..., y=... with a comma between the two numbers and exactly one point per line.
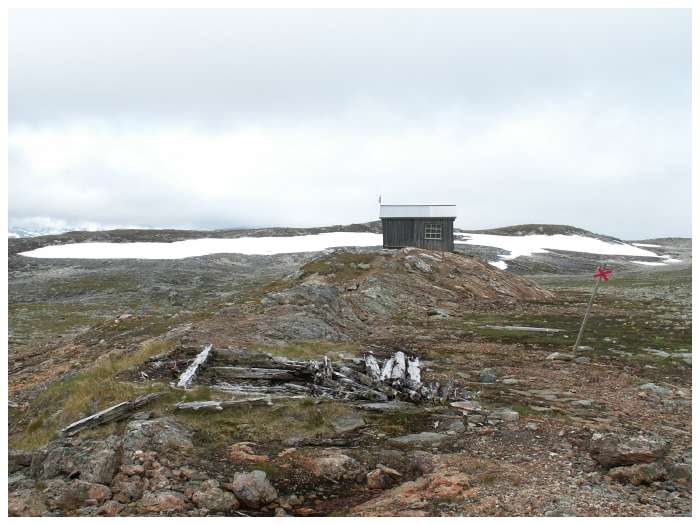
x=156, y=434
x=93, y=461
x=612, y=450
x=331, y=298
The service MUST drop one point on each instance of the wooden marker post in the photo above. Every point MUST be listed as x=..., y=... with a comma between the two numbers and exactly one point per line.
x=602, y=273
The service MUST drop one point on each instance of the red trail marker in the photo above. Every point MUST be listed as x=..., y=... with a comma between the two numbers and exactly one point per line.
x=601, y=274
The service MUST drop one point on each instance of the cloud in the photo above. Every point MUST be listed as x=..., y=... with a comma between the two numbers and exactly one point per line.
x=250, y=118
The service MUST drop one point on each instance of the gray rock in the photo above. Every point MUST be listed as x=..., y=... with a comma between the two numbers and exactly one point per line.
x=531, y=425
x=560, y=356
x=27, y=503
x=438, y=312
x=680, y=472
x=160, y=435
x=655, y=389
x=476, y=419
x=167, y=501
x=455, y=426
x=92, y=461
x=253, y=489
x=212, y=497
x=333, y=464
x=487, y=375
x=643, y=473
x=348, y=423
x=611, y=450
x=584, y=348
x=582, y=360
x=420, y=439
x=582, y=403
x=467, y=406
x=508, y=416
x=382, y=477
x=389, y=406
x=17, y=460
x=419, y=264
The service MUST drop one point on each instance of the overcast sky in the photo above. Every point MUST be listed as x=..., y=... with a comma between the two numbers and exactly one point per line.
x=214, y=119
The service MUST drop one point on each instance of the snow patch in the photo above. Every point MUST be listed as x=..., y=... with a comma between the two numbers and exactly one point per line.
x=199, y=247
x=641, y=244
x=647, y=263
x=527, y=245
x=499, y=264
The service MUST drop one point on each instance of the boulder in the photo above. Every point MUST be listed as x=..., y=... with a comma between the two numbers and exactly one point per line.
x=160, y=435
x=612, y=450
x=487, y=375
x=420, y=439
x=110, y=508
x=212, y=497
x=349, y=423
x=253, y=489
x=508, y=416
x=655, y=389
x=70, y=495
x=92, y=461
x=128, y=488
x=680, y=472
x=332, y=464
x=382, y=477
x=17, y=460
x=421, y=464
x=641, y=473
x=162, y=502
x=26, y=502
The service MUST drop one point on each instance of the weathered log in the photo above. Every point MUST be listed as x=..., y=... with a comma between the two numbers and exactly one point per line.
x=387, y=368
x=218, y=405
x=372, y=367
x=110, y=414
x=238, y=372
x=398, y=371
x=248, y=389
x=188, y=375
x=413, y=370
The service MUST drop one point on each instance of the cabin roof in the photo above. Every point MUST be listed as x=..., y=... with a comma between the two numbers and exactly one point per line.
x=395, y=211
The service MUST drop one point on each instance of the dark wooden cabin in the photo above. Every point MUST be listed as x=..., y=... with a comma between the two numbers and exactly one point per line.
x=423, y=226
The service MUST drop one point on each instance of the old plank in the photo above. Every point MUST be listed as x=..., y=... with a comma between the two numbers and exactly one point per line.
x=238, y=372
x=107, y=415
x=188, y=375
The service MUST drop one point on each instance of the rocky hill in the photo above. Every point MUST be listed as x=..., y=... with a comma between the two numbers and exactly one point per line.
x=278, y=418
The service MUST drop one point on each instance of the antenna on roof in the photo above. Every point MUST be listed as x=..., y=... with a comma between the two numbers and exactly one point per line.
x=380, y=198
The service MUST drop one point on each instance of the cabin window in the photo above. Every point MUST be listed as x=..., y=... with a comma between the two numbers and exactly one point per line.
x=433, y=232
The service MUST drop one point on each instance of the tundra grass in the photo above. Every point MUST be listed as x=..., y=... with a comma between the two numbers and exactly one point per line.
x=84, y=393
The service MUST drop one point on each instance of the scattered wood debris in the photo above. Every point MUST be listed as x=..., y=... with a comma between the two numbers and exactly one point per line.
x=265, y=376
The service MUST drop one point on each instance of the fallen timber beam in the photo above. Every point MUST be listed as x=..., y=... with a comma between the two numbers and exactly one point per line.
x=219, y=405
x=110, y=414
x=188, y=375
x=239, y=372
